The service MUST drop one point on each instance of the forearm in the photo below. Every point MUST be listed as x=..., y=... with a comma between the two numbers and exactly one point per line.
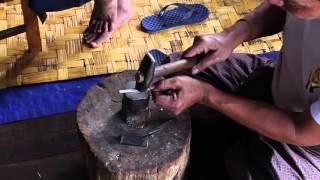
x=263, y=21
x=265, y=119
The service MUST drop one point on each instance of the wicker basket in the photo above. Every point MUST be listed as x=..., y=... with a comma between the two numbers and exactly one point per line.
x=64, y=57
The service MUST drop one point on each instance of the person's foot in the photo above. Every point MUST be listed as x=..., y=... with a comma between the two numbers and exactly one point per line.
x=107, y=16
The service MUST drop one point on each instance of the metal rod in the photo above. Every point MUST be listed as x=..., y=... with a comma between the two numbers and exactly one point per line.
x=12, y=31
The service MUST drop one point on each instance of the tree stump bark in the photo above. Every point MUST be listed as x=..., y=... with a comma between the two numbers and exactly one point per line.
x=100, y=125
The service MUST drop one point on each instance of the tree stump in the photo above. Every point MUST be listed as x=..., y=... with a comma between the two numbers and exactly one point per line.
x=100, y=125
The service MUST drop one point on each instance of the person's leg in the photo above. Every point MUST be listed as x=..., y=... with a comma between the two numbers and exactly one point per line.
x=213, y=133
x=263, y=159
x=238, y=160
x=252, y=156
x=243, y=157
x=246, y=151
x=107, y=17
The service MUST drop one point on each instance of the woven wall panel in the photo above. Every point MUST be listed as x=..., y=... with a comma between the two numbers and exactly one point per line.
x=64, y=57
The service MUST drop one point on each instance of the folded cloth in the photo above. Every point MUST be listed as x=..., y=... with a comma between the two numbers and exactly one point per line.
x=43, y=6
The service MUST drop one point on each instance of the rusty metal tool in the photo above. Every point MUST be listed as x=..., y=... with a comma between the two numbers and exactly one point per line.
x=135, y=107
x=134, y=138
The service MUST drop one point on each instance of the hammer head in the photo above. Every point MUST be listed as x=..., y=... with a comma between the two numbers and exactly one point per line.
x=145, y=74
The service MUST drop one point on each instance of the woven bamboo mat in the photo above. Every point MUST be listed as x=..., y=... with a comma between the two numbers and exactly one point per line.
x=64, y=57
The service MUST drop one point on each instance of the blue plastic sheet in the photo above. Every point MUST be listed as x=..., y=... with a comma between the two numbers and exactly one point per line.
x=34, y=101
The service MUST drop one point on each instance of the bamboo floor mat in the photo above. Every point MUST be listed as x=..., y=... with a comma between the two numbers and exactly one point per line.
x=64, y=57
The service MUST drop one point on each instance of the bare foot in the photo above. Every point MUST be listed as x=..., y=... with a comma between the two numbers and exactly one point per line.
x=107, y=16
x=103, y=14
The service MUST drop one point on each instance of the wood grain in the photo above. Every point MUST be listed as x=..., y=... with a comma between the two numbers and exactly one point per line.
x=100, y=125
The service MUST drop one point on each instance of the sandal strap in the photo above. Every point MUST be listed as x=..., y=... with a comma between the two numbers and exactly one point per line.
x=190, y=9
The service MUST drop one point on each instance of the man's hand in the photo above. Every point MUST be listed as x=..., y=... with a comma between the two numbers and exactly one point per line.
x=214, y=48
x=186, y=92
x=263, y=21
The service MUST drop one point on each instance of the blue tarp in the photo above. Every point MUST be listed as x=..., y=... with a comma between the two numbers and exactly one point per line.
x=34, y=101
x=22, y=103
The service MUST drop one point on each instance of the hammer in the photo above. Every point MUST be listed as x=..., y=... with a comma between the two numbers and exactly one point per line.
x=135, y=102
x=148, y=73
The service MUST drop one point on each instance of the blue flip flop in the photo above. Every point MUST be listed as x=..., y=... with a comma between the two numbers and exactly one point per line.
x=183, y=14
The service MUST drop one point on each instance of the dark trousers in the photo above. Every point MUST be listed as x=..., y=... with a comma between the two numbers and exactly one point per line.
x=212, y=133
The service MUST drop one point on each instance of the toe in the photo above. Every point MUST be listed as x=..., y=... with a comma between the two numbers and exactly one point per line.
x=85, y=33
x=99, y=26
x=93, y=24
x=101, y=39
x=91, y=37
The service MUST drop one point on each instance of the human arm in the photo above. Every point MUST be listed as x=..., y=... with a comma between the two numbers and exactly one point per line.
x=265, y=20
x=270, y=121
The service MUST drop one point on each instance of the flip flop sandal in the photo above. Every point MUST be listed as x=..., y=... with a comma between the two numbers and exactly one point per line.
x=183, y=14
x=159, y=56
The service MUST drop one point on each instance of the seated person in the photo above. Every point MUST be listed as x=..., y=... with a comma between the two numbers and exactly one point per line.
x=277, y=103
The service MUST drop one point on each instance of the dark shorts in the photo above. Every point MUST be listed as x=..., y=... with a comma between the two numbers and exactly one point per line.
x=223, y=149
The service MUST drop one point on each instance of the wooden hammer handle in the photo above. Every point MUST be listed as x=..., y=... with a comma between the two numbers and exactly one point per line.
x=174, y=67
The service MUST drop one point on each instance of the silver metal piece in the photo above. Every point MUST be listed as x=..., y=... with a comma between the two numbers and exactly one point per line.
x=123, y=91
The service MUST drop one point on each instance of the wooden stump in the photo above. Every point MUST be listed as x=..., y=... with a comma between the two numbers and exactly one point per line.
x=100, y=125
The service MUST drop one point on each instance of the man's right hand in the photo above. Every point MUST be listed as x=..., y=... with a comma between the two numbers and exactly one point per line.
x=263, y=21
x=213, y=47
